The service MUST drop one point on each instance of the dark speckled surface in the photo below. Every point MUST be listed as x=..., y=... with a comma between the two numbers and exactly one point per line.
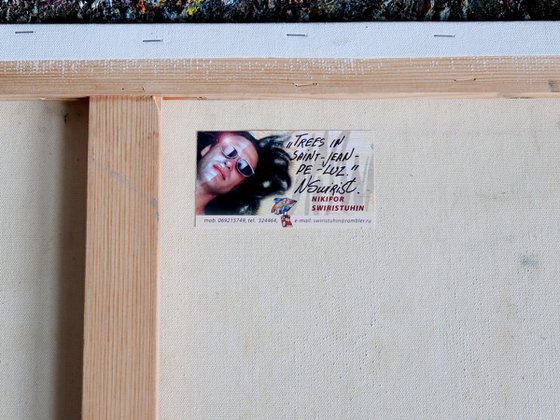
x=66, y=11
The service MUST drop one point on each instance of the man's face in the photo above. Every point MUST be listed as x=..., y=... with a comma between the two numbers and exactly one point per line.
x=226, y=164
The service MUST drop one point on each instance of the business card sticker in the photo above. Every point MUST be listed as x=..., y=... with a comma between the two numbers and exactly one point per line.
x=284, y=179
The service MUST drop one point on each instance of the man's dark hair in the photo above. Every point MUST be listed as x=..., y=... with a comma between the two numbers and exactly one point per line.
x=271, y=175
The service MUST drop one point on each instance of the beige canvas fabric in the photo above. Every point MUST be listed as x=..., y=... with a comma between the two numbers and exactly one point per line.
x=447, y=308
x=43, y=148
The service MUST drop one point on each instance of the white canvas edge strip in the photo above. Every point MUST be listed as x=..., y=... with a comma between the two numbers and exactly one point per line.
x=301, y=40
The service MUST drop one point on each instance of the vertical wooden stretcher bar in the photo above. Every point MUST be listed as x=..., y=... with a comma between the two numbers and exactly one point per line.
x=122, y=260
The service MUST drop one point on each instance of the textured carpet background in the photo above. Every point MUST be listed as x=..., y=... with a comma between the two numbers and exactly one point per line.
x=24, y=11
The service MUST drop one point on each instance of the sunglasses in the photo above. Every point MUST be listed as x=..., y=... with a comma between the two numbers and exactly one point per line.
x=243, y=167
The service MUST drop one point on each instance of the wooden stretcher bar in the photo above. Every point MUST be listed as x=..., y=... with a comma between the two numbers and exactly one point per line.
x=457, y=77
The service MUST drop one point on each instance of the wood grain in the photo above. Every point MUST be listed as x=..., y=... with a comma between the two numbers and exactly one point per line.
x=460, y=77
x=121, y=293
